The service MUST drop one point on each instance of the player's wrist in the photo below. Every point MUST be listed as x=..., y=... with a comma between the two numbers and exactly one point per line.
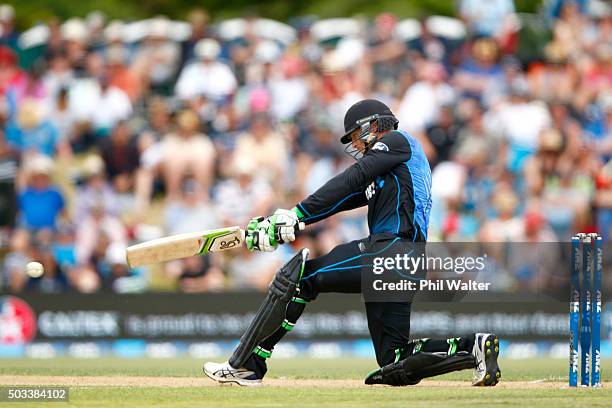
x=298, y=213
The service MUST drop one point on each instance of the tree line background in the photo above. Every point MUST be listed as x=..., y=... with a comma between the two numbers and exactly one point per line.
x=29, y=12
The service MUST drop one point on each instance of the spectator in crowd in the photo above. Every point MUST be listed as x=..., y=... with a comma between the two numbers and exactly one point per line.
x=61, y=117
x=320, y=160
x=83, y=96
x=242, y=196
x=600, y=129
x=420, y=105
x=536, y=229
x=113, y=105
x=505, y=226
x=179, y=154
x=11, y=75
x=385, y=50
x=40, y=203
x=603, y=200
x=519, y=121
x=13, y=267
x=55, y=42
x=157, y=56
x=339, y=87
x=120, y=75
x=121, y=156
x=289, y=90
x=63, y=248
x=32, y=87
x=9, y=166
x=557, y=79
x=255, y=146
x=157, y=124
x=95, y=190
x=200, y=29
x=206, y=76
x=95, y=232
x=9, y=35
x=474, y=136
x=481, y=72
x=553, y=7
x=196, y=274
x=31, y=132
x=191, y=211
x=487, y=18
x=59, y=74
x=430, y=47
x=252, y=271
x=54, y=278
x=115, y=274
x=442, y=135
x=187, y=152
x=551, y=175
x=569, y=28
x=75, y=38
x=512, y=77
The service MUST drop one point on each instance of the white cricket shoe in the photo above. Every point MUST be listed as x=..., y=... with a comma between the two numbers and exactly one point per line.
x=225, y=373
x=485, y=352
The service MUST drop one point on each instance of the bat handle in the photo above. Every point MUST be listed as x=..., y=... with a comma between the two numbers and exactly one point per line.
x=297, y=228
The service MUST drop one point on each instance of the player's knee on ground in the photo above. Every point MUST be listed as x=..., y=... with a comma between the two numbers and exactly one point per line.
x=415, y=367
x=422, y=358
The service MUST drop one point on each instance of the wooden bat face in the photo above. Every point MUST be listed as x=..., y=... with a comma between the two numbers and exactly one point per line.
x=184, y=245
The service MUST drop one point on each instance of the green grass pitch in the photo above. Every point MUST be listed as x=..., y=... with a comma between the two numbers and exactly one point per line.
x=297, y=383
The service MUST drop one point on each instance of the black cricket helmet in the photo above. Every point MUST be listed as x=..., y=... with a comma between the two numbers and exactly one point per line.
x=360, y=116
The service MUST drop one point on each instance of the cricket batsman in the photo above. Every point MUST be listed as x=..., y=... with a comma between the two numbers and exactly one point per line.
x=393, y=178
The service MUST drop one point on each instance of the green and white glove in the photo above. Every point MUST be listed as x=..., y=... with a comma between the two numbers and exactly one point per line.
x=285, y=224
x=259, y=235
x=265, y=233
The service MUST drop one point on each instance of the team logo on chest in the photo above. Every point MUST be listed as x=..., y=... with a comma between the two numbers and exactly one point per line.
x=380, y=146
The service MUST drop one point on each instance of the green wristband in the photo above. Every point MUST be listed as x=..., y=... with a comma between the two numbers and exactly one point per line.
x=297, y=212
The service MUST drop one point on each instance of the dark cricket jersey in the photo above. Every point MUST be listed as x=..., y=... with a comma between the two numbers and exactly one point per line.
x=393, y=178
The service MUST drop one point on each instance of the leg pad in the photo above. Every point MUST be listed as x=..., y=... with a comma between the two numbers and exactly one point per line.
x=271, y=313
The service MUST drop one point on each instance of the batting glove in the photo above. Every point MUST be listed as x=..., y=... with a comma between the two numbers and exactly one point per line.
x=285, y=223
x=259, y=235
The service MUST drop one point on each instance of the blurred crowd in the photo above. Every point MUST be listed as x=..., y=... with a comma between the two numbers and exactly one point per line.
x=114, y=132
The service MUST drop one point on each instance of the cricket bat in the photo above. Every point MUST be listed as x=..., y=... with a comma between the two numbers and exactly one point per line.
x=184, y=245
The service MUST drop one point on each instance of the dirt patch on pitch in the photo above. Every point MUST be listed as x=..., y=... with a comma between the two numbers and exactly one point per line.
x=176, y=382
x=179, y=382
x=104, y=381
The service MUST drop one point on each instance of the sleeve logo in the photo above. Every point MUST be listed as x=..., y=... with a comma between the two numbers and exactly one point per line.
x=370, y=191
x=380, y=146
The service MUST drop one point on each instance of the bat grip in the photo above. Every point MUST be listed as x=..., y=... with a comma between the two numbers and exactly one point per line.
x=297, y=228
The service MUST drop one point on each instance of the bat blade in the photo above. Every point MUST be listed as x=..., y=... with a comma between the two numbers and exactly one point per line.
x=184, y=245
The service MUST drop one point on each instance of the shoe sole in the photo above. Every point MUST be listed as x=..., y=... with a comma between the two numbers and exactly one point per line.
x=493, y=373
x=242, y=383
